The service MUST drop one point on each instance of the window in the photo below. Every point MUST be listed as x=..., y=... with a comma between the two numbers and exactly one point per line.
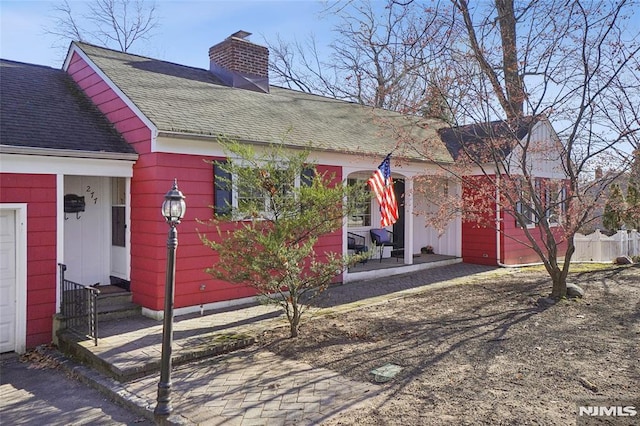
x=230, y=197
x=250, y=198
x=524, y=209
x=555, y=196
x=524, y=205
x=264, y=193
x=361, y=215
x=551, y=196
x=118, y=223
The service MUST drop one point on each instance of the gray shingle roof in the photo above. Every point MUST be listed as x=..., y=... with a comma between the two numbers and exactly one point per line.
x=41, y=107
x=476, y=139
x=188, y=100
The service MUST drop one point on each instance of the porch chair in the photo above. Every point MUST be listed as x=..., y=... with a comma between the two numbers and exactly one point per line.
x=356, y=243
x=382, y=238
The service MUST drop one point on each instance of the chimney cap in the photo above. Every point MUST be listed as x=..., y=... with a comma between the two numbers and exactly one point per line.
x=240, y=34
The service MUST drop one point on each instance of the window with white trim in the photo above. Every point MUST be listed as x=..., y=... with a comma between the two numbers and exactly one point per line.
x=361, y=215
x=260, y=199
x=524, y=205
x=230, y=197
x=555, y=196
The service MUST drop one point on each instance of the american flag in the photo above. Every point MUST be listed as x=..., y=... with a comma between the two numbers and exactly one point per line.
x=382, y=186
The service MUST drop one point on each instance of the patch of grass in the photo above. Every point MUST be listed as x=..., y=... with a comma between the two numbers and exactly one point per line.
x=230, y=336
x=574, y=268
x=590, y=267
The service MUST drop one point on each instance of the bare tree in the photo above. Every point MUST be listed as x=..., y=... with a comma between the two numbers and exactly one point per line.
x=109, y=23
x=574, y=64
x=383, y=57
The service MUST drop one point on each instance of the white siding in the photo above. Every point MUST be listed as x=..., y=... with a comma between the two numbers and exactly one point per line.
x=544, y=154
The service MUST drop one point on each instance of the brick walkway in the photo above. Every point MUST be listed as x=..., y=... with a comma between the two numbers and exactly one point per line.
x=255, y=387
x=249, y=386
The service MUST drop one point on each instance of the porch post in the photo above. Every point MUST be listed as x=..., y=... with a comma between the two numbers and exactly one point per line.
x=408, y=221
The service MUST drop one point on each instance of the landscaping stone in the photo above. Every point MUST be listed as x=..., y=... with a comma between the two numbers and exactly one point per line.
x=574, y=291
x=623, y=260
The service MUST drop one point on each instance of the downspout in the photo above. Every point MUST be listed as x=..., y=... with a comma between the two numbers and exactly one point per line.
x=498, y=222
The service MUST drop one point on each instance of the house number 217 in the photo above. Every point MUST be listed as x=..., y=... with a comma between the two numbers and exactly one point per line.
x=92, y=194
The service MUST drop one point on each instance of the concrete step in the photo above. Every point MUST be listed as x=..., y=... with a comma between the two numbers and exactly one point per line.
x=114, y=302
x=114, y=299
x=119, y=310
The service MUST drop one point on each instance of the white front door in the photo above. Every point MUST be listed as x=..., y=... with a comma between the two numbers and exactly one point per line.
x=87, y=233
x=8, y=280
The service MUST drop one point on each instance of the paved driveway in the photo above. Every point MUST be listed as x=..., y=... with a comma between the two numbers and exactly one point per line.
x=36, y=393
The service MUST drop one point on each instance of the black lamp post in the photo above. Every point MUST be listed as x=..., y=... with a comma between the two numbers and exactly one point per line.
x=173, y=209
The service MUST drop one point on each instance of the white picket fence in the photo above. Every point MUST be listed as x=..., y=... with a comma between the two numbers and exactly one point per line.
x=598, y=247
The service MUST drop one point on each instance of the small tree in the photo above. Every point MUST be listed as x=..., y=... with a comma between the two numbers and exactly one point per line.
x=632, y=213
x=267, y=240
x=614, y=210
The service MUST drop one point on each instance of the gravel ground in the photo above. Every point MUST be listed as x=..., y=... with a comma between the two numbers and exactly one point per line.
x=487, y=353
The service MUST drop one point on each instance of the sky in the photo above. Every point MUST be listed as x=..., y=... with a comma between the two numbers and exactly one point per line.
x=186, y=31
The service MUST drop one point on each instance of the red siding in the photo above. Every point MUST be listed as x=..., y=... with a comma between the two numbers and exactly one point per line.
x=39, y=192
x=195, y=180
x=148, y=232
x=153, y=176
x=123, y=118
x=478, y=244
x=479, y=238
x=514, y=243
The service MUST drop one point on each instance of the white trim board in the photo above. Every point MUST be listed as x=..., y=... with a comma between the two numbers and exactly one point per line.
x=35, y=164
x=21, y=272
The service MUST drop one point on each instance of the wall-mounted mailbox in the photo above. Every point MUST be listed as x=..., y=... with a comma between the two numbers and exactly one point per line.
x=73, y=203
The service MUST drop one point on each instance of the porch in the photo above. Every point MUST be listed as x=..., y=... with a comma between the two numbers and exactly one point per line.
x=377, y=268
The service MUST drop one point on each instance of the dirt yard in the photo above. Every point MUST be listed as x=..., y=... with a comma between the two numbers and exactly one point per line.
x=486, y=353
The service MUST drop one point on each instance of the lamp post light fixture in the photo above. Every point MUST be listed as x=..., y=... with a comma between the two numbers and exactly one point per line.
x=173, y=209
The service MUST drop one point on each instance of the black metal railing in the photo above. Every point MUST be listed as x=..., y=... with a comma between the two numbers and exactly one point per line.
x=78, y=306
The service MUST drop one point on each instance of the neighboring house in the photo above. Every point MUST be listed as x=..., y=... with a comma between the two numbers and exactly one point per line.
x=497, y=239
x=55, y=143
x=594, y=190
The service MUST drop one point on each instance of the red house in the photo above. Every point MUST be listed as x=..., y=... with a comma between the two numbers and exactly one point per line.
x=53, y=142
x=167, y=120
x=494, y=152
x=88, y=152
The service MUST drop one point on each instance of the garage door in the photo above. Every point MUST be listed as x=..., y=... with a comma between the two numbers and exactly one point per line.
x=7, y=280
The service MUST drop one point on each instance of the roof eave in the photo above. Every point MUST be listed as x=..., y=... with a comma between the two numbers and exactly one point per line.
x=50, y=152
x=200, y=136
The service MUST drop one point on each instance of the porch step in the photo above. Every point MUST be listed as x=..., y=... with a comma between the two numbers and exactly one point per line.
x=114, y=303
x=397, y=252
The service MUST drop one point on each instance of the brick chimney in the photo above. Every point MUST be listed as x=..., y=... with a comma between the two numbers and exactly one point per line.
x=599, y=173
x=240, y=63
